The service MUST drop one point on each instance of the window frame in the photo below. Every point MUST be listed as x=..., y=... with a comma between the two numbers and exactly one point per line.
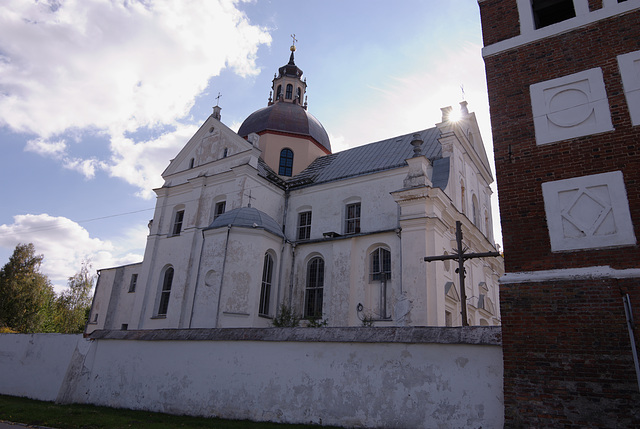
x=380, y=272
x=352, y=218
x=178, y=221
x=133, y=282
x=219, y=209
x=165, y=292
x=304, y=225
x=265, y=286
x=289, y=92
x=285, y=165
x=314, y=288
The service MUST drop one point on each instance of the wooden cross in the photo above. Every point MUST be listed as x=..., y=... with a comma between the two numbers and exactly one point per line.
x=460, y=255
x=218, y=98
x=293, y=36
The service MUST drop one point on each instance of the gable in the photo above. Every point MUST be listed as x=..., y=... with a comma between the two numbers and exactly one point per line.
x=213, y=141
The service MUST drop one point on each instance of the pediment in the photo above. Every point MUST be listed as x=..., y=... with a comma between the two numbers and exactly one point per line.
x=451, y=292
x=213, y=141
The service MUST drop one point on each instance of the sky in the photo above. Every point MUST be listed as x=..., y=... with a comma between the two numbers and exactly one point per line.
x=97, y=96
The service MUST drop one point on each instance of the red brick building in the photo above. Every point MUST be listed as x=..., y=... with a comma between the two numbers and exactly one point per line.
x=564, y=89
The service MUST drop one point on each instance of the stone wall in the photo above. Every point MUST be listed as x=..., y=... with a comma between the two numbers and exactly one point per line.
x=351, y=377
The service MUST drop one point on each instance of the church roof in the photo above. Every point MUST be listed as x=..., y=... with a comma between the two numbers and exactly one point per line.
x=247, y=217
x=379, y=156
x=285, y=117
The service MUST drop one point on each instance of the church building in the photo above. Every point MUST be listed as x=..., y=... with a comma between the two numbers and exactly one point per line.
x=268, y=218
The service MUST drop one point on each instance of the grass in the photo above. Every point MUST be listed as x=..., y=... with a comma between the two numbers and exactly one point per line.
x=29, y=411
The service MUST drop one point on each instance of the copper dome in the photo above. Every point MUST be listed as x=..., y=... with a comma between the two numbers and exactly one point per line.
x=287, y=118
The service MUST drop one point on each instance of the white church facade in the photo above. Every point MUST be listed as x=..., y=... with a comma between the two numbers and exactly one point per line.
x=248, y=222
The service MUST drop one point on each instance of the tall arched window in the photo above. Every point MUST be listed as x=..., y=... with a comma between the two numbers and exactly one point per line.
x=286, y=162
x=265, y=290
x=279, y=92
x=165, y=292
x=299, y=95
x=380, y=271
x=289, y=94
x=314, y=290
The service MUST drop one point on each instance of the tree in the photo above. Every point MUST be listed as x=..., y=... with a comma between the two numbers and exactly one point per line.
x=72, y=306
x=24, y=291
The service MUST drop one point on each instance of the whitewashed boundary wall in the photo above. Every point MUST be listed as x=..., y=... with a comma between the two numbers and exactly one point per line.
x=352, y=377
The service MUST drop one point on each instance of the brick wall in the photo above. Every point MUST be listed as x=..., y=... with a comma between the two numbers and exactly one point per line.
x=567, y=355
x=499, y=20
x=522, y=166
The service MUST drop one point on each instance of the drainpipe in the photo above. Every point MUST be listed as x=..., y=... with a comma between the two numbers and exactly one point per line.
x=284, y=242
x=195, y=290
x=224, y=263
x=293, y=261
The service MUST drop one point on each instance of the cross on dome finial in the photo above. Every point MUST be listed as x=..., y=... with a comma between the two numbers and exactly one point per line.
x=293, y=46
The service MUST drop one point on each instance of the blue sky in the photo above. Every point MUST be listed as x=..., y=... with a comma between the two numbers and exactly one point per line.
x=96, y=96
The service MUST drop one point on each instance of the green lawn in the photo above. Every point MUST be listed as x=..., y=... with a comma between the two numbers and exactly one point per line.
x=28, y=411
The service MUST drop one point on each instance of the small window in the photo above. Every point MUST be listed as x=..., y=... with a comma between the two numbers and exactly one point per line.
x=225, y=153
x=299, y=95
x=289, y=94
x=286, y=162
x=314, y=289
x=95, y=318
x=165, y=293
x=177, y=223
x=265, y=290
x=279, y=92
x=132, y=284
x=547, y=12
x=352, y=219
x=304, y=225
x=192, y=162
x=448, y=318
x=124, y=326
x=220, y=208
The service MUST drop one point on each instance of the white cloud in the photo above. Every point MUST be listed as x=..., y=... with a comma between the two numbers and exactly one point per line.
x=115, y=64
x=65, y=244
x=141, y=163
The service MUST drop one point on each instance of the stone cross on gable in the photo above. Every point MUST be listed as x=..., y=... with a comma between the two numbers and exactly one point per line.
x=460, y=255
x=250, y=198
x=218, y=98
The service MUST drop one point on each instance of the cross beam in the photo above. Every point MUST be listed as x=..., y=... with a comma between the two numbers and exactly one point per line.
x=460, y=255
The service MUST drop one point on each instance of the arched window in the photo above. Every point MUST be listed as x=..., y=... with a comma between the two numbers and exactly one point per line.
x=380, y=271
x=313, y=292
x=191, y=163
x=265, y=290
x=299, y=95
x=289, y=94
x=165, y=292
x=286, y=162
x=279, y=92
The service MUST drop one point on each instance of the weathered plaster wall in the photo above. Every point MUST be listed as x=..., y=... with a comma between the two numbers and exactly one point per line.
x=352, y=377
x=36, y=365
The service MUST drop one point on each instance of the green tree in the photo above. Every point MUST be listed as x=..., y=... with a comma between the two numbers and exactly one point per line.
x=24, y=291
x=72, y=306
